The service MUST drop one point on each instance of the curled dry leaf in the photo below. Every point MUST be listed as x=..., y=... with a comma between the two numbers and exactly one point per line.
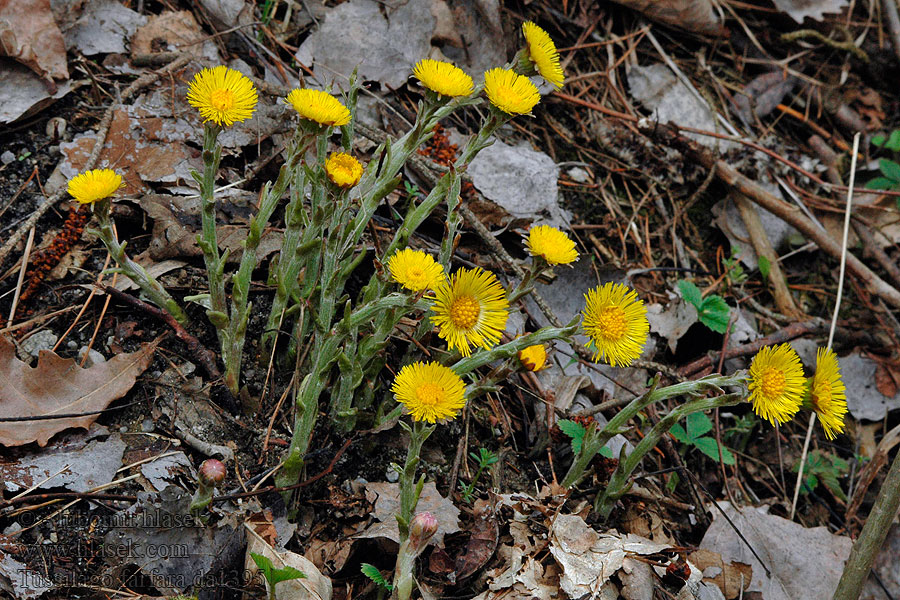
x=59, y=386
x=29, y=35
x=693, y=15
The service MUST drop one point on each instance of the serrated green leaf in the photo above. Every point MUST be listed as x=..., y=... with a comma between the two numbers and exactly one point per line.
x=881, y=183
x=575, y=431
x=765, y=267
x=889, y=169
x=697, y=424
x=680, y=434
x=714, y=313
x=690, y=293
x=372, y=572
x=709, y=447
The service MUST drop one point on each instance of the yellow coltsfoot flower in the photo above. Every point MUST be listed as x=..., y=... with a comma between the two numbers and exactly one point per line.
x=543, y=54
x=343, y=170
x=827, y=393
x=470, y=309
x=318, y=106
x=444, y=78
x=512, y=93
x=222, y=95
x=616, y=321
x=776, y=383
x=94, y=185
x=415, y=270
x=430, y=392
x=533, y=357
x=551, y=244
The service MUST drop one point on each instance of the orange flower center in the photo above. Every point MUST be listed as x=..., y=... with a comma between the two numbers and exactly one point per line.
x=464, y=312
x=429, y=394
x=222, y=99
x=416, y=274
x=773, y=382
x=612, y=322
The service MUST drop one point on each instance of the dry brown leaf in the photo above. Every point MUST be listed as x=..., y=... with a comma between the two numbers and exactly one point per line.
x=728, y=576
x=59, y=386
x=29, y=35
x=762, y=95
x=169, y=32
x=693, y=15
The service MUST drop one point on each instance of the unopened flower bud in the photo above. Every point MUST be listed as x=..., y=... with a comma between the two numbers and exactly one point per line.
x=212, y=472
x=534, y=357
x=423, y=526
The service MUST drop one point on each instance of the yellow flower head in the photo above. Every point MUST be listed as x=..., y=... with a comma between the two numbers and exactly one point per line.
x=533, y=357
x=470, y=308
x=430, y=392
x=552, y=244
x=343, y=170
x=616, y=321
x=94, y=185
x=444, y=78
x=222, y=95
x=512, y=93
x=776, y=383
x=415, y=270
x=543, y=54
x=827, y=393
x=318, y=106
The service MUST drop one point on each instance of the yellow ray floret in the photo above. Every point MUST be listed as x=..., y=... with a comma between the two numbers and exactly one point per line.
x=470, y=309
x=415, y=270
x=512, y=93
x=222, y=95
x=533, y=357
x=776, y=383
x=444, y=78
x=551, y=244
x=319, y=106
x=94, y=185
x=430, y=392
x=616, y=321
x=827, y=393
x=343, y=170
x=543, y=54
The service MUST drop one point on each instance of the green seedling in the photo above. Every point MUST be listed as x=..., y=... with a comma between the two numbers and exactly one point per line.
x=712, y=311
x=697, y=425
x=826, y=469
x=274, y=575
x=484, y=458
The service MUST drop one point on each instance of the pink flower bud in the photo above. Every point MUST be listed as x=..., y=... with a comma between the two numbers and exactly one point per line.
x=212, y=472
x=423, y=526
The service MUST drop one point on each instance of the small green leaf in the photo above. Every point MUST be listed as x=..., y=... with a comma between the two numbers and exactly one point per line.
x=765, y=267
x=893, y=143
x=709, y=447
x=878, y=140
x=881, y=183
x=605, y=451
x=372, y=572
x=680, y=434
x=690, y=293
x=697, y=424
x=889, y=169
x=275, y=576
x=575, y=431
x=714, y=313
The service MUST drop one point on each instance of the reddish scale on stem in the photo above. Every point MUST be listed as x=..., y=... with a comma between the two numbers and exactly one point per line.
x=440, y=150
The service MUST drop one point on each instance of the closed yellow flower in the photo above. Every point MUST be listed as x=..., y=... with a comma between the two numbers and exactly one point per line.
x=533, y=357
x=615, y=320
x=512, y=93
x=543, y=54
x=551, y=244
x=444, y=78
x=827, y=393
x=94, y=185
x=319, y=107
x=430, y=392
x=222, y=95
x=343, y=170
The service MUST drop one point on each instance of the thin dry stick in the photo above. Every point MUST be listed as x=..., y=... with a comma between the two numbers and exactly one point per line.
x=85, y=305
x=102, y=131
x=15, y=302
x=837, y=307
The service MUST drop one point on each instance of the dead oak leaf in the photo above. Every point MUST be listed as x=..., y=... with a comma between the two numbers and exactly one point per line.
x=59, y=386
x=29, y=35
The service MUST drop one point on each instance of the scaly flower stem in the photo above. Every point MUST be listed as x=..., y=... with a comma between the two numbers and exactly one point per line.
x=149, y=286
x=240, y=306
x=410, y=489
x=208, y=240
x=526, y=286
x=619, y=482
x=510, y=349
x=596, y=439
